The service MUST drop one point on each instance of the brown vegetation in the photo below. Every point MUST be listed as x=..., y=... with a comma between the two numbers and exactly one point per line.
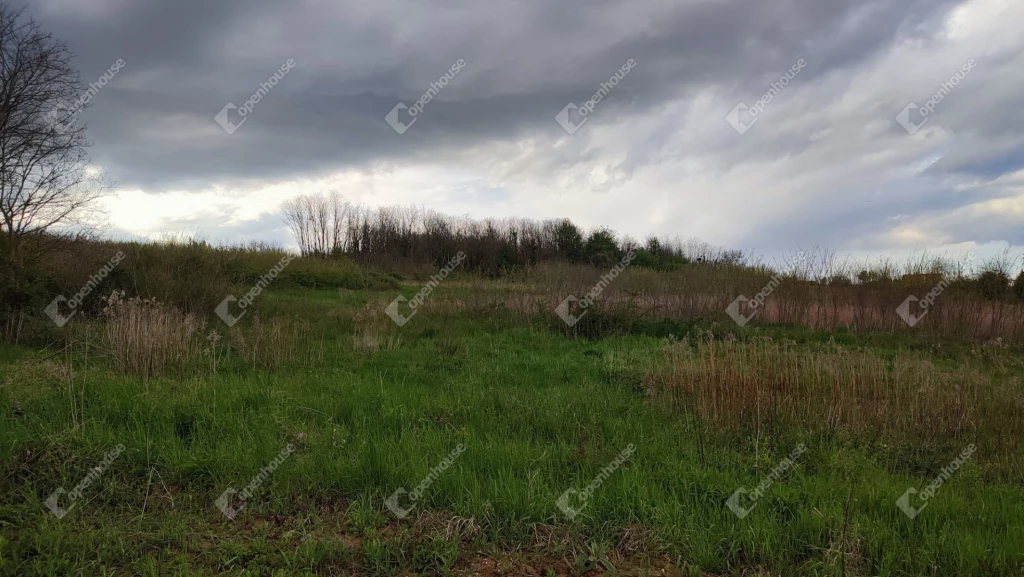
x=145, y=337
x=769, y=383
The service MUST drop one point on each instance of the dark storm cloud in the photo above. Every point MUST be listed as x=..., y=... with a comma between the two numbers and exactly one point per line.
x=153, y=125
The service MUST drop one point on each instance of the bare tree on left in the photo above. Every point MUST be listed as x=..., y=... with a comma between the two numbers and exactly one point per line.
x=45, y=181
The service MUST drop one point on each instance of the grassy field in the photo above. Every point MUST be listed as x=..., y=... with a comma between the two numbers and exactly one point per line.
x=325, y=408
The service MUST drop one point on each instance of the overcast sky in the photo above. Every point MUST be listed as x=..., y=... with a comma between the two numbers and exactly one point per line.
x=825, y=162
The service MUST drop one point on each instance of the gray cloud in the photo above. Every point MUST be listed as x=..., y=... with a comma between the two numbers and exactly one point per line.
x=153, y=126
x=355, y=61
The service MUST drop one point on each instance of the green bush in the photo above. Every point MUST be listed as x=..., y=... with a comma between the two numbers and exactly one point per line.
x=658, y=261
x=569, y=240
x=601, y=248
x=993, y=284
x=1018, y=287
x=646, y=259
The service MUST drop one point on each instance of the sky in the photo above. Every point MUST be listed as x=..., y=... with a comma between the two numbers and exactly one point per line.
x=868, y=128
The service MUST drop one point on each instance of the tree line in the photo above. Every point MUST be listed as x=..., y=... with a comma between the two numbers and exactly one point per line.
x=327, y=225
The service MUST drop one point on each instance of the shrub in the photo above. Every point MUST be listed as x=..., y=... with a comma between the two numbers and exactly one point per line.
x=993, y=284
x=646, y=259
x=662, y=261
x=1018, y=287
x=569, y=241
x=601, y=248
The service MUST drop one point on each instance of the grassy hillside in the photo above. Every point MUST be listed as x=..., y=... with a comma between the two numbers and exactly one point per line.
x=325, y=408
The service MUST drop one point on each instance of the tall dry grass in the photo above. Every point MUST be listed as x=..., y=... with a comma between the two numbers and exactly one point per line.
x=769, y=385
x=145, y=337
x=373, y=331
x=268, y=344
x=704, y=291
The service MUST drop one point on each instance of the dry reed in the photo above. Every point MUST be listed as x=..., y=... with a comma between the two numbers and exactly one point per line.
x=705, y=291
x=765, y=383
x=372, y=331
x=144, y=337
x=268, y=344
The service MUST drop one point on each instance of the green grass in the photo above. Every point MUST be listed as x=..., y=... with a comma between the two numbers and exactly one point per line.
x=537, y=412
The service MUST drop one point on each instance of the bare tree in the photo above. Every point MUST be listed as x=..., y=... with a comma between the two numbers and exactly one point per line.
x=45, y=181
x=319, y=223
